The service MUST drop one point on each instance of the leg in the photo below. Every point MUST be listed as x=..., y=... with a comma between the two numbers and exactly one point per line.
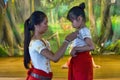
x=94, y=65
x=65, y=66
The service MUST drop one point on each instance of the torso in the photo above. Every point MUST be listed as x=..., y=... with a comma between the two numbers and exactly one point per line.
x=38, y=60
x=83, y=33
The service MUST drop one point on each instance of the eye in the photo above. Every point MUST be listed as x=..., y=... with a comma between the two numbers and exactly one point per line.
x=46, y=23
x=71, y=20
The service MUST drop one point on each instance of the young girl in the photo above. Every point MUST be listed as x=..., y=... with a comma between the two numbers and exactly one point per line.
x=36, y=50
x=80, y=67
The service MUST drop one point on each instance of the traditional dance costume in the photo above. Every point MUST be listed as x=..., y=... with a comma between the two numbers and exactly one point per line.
x=40, y=64
x=80, y=67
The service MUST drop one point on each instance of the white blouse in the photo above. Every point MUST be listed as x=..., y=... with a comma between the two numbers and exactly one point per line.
x=83, y=33
x=38, y=60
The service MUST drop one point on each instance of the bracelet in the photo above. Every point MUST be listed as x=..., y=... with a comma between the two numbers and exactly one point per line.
x=66, y=41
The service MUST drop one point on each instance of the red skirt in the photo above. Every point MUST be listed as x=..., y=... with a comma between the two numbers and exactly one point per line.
x=80, y=67
x=38, y=72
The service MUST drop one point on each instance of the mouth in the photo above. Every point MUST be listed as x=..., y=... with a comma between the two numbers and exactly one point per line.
x=46, y=29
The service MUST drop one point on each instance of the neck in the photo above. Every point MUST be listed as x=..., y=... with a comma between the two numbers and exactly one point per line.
x=82, y=26
x=37, y=36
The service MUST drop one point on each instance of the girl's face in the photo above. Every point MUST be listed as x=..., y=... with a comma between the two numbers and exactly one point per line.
x=76, y=23
x=43, y=26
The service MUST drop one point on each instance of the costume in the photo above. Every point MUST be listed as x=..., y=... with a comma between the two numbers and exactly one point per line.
x=80, y=67
x=36, y=74
x=40, y=64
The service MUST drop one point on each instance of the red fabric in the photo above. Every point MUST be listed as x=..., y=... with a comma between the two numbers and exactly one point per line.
x=31, y=78
x=39, y=72
x=80, y=67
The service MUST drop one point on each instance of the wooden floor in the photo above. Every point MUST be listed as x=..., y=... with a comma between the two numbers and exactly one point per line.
x=53, y=79
x=11, y=68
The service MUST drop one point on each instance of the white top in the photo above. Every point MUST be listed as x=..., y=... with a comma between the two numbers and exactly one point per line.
x=83, y=33
x=38, y=60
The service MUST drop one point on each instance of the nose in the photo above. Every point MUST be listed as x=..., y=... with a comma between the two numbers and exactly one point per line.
x=46, y=27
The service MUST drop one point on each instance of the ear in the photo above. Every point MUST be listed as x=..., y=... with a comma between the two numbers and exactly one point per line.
x=35, y=26
x=79, y=18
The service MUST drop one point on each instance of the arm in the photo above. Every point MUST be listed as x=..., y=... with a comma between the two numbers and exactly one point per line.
x=55, y=56
x=88, y=47
x=60, y=52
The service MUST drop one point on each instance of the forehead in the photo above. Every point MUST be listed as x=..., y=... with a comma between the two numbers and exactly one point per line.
x=45, y=19
x=72, y=17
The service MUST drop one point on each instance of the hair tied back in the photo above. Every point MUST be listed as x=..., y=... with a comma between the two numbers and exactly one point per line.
x=82, y=6
x=29, y=23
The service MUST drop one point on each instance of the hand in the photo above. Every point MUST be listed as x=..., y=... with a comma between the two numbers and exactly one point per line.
x=70, y=37
x=96, y=66
x=72, y=53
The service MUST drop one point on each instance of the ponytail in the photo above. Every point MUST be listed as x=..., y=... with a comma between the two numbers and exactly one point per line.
x=36, y=18
x=26, y=44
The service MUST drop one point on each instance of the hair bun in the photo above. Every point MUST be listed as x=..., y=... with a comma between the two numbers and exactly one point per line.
x=82, y=6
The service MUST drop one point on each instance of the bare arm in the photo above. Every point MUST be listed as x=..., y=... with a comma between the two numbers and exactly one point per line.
x=88, y=47
x=55, y=56
x=60, y=52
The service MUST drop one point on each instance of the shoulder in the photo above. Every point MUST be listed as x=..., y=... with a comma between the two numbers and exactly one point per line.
x=85, y=29
x=85, y=32
x=36, y=43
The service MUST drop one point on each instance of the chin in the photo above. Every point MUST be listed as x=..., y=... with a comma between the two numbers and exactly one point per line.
x=75, y=27
x=44, y=31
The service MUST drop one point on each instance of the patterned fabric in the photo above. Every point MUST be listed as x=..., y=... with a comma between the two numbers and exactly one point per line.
x=40, y=47
x=38, y=60
x=83, y=33
x=36, y=74
x=80, y=67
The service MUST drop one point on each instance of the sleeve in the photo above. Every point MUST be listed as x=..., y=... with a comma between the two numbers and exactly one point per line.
x=48, y=45
x=39, y=46
x=85, y=33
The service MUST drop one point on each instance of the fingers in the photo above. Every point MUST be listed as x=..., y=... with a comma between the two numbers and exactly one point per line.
x=70, y=37
x=73, y=53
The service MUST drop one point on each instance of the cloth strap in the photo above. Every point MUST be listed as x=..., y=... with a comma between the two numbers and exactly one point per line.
x=33, y=71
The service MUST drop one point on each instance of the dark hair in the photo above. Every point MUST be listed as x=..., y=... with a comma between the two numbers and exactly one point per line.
x=36, y=18
x=76, y=11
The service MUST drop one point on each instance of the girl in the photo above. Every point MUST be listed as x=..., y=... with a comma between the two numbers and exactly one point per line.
x=36, y=50
x=80, y=67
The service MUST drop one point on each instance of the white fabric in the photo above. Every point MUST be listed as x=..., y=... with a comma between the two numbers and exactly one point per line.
x=83, y=33
x=38, y=60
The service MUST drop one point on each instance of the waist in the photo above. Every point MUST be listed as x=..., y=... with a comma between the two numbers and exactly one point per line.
x=45, y=68
x=83, y=53
x=40, y=77
x=37, y=72
x=82, y=56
